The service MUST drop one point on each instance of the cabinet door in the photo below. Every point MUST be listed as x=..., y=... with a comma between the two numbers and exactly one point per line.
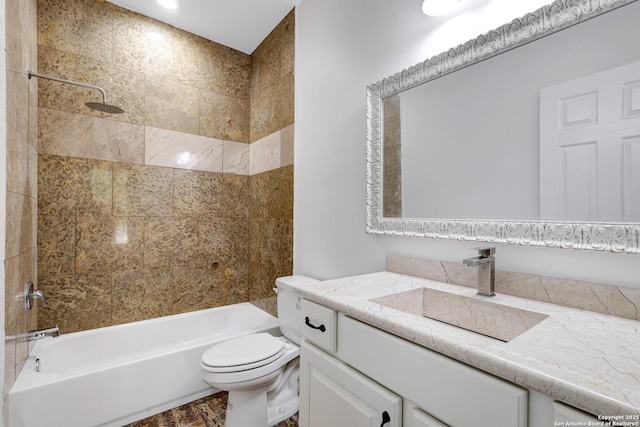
x=420, y=419
x=562, y=414
x=332, y=394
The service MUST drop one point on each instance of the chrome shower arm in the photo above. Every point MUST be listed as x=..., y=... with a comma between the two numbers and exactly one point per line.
x=71, y=82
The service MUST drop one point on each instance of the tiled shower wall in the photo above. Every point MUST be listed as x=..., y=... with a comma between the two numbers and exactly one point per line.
x=159, y=210
x=21, y=182
x=392, y=160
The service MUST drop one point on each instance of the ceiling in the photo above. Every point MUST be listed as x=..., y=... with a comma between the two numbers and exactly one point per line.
x=239, y=24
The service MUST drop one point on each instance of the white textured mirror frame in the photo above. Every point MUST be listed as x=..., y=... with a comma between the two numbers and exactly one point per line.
x=613, y=237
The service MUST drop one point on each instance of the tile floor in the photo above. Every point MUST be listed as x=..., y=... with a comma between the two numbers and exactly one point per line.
x=205, y=412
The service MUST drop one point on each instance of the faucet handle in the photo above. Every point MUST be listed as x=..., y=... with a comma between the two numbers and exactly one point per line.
x=31, y=294
x=485, y=251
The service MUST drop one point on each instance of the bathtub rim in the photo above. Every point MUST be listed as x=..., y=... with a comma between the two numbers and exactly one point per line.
x=20, y=402
x=28, y=378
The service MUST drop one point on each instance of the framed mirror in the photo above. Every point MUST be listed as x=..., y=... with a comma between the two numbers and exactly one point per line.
x=528, y=134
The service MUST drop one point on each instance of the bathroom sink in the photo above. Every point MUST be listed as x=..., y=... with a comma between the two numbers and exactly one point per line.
x=498, y=321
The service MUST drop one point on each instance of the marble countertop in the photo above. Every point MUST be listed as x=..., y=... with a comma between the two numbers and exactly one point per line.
x=587, y=360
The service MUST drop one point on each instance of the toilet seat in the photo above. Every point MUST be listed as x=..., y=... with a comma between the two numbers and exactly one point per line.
x=231, y=376
x=243, y=353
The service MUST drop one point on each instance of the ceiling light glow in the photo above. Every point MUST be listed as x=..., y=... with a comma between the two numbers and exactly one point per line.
x=439, y=7
x=169, y=4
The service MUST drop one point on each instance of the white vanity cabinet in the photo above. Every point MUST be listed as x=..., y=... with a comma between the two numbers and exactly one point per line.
x=332, y=393
x=339, y=396
x=367, y=372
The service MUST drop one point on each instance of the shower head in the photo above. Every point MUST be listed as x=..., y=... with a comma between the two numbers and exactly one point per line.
x=104, y=107
x=98, y=106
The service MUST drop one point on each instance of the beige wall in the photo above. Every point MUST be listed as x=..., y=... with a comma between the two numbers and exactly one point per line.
x=272, y=80
x=271, y=124
x=129, y=227
x=21, y=179
x=392, y=162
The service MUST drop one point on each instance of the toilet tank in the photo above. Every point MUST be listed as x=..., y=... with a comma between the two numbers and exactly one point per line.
x=289, y=310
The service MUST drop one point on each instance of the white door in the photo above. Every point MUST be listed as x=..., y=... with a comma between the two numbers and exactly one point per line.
x=590, y=148
x=332, y=394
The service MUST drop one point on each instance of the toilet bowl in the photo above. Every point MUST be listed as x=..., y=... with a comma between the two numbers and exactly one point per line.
x=260, y=371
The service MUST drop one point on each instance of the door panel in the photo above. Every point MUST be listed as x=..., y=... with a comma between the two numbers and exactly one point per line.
x=589, y=131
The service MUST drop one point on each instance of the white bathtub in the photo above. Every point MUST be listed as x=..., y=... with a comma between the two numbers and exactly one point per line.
x=119, y=374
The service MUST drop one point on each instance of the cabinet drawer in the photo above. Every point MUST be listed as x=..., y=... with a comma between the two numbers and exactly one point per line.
x=319, y=325
x=454, y=393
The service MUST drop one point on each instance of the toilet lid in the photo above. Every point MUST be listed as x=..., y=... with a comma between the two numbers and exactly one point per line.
x=245, y=350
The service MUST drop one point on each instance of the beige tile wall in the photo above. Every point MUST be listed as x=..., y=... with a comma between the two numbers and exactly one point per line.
x=271, y=124
x=392, y=162
x=157, y=211
x=21, y=175
x=272, y=78
x=271, y=230
x=173, y=80
x=132, y=242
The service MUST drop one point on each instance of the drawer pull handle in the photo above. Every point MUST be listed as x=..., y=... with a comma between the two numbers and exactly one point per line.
x=385, y=418
x=308, y=323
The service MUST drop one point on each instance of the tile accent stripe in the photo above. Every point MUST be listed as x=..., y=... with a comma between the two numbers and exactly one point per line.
x=75, y=135
x=182, y=150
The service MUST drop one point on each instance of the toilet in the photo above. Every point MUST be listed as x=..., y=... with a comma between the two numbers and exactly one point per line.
x=260, y=371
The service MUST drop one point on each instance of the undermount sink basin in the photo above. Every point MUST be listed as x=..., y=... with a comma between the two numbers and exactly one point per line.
x=497, y=321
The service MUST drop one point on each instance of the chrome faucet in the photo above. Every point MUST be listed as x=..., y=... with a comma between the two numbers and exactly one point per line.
x=43, y=333
x=486, y=263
